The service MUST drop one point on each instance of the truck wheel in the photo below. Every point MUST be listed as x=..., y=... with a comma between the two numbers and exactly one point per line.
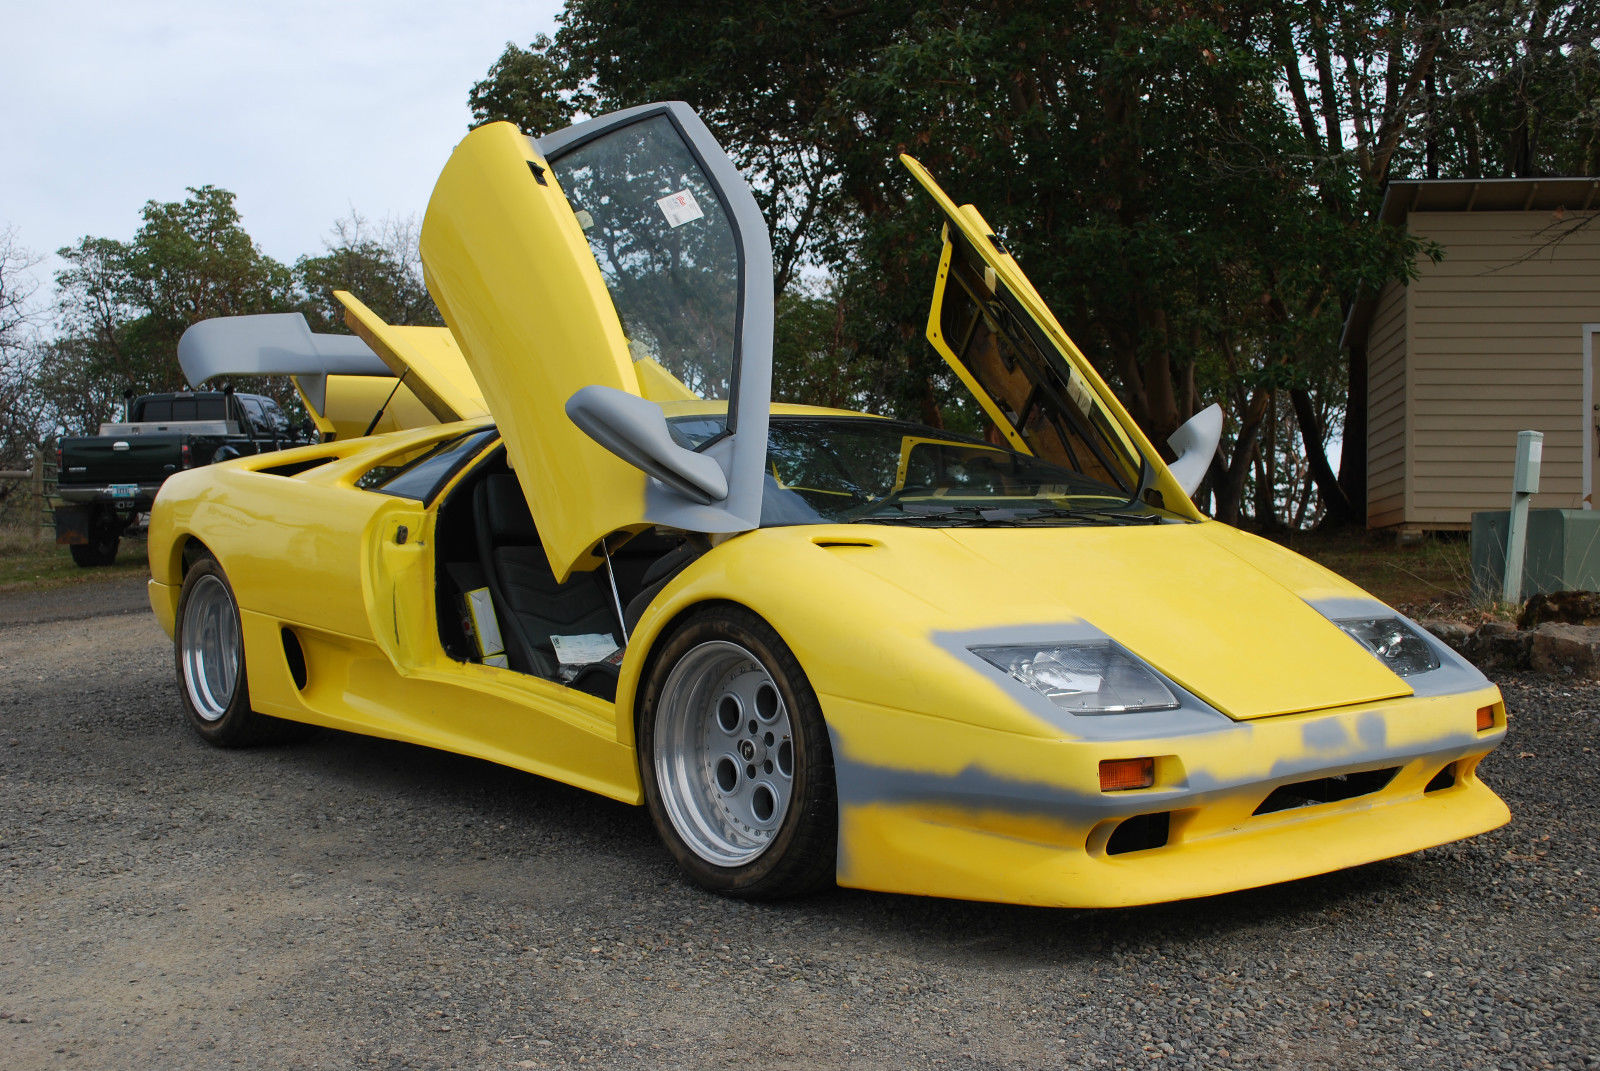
x=209, y=646
x=102, y=550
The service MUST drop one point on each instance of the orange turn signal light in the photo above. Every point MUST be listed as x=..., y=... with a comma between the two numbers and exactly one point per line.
x=1485, y=721
x=1118, y=775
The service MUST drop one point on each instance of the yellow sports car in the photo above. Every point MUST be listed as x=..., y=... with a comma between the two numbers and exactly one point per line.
x=571, y=534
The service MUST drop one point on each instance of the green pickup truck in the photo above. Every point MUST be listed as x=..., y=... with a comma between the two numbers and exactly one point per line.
x=106, y=481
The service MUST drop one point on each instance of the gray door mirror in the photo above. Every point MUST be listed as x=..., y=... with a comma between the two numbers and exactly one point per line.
x=1195, y=444
x=635, y=430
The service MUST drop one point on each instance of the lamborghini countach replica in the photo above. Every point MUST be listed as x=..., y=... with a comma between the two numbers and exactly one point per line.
x=571, y=533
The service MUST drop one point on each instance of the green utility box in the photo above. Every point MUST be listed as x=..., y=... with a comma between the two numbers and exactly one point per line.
x=1563, y=552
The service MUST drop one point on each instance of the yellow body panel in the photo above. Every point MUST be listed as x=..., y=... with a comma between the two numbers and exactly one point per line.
x=427, y=359
x=500, y=250
x=350, y=403
x=948, y=784
x=914, y=595
x=361, y=610
x=660, y=385
x=948, y=787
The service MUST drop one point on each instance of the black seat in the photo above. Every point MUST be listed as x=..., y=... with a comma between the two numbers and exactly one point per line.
x=656, y=576
x=530, y=605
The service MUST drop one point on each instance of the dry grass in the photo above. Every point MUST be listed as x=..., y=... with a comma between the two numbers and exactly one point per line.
x=27, y=563
x=1432, y=578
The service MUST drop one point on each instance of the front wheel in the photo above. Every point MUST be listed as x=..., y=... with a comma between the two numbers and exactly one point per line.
x=209, y=646
x=735, y=759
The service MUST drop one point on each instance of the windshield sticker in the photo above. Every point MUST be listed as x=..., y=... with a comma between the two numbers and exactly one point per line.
x=680, y=208
x=585, y=220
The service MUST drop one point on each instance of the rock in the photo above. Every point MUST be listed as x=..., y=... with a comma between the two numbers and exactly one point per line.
x=1499, y=645
x=1569, y=607
x=1566, y=650
x=1452, y=633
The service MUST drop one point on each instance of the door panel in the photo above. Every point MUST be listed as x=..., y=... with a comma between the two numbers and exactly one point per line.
x=994, y=330
x=675, y=241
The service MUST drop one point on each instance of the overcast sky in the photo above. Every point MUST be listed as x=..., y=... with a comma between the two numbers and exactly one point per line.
x=305, y=110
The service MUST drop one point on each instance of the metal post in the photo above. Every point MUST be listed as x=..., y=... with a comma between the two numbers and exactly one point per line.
x=36, y=500
x=1524, y=485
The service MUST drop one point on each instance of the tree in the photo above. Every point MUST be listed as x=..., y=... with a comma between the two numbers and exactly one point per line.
x=1127, y=151
x=1194, y=188
x=1430, y=89
x=19, y=416
x=379, y=264
x=525, y=86
x=123, y=305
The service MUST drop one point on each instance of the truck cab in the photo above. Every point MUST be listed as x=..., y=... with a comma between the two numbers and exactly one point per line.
x=107, y=480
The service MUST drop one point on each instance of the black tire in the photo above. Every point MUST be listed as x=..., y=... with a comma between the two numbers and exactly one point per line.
x=101, y=551
x=208, y=647
x=710, y=817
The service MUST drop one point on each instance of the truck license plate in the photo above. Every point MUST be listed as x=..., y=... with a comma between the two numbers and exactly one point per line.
x=124, y=490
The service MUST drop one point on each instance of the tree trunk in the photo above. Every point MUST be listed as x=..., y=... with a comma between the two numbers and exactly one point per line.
x=1340, y=512
x=1229, y=481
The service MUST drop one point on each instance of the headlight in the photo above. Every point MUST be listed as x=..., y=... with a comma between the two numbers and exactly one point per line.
x=1395, y=643
x=1094, y=677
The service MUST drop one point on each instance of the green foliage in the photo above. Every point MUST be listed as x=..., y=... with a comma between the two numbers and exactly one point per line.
x=123, y=305
x=524, y=87
x=1192, y=187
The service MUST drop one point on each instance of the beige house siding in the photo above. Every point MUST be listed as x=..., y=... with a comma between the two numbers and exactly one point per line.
x=1493, y=345
x=1386, y=409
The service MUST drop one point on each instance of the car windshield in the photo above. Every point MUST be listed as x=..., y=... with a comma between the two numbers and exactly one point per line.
x=831, y=470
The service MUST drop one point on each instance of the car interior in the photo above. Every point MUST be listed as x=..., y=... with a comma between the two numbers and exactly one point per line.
x=486, y=539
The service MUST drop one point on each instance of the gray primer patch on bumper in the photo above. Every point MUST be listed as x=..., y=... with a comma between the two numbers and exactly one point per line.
x=977, y=789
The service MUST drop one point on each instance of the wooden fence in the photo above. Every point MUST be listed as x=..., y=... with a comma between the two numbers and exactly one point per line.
x=38, y=501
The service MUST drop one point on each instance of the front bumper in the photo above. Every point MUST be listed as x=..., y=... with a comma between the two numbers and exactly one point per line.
x=936, y=807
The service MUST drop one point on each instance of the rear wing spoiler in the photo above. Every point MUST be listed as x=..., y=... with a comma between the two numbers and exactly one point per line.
x=342, y=380
x=271, y=344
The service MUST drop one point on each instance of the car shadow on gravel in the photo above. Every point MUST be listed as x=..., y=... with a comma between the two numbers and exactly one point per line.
x=1021, y=935
x=612, y=845
x=440, y=782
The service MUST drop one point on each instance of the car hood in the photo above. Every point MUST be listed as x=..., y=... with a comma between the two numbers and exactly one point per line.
x=1224, y=615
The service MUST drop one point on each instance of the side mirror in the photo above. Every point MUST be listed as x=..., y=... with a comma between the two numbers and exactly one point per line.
x=636, y=431
x=1195, y=444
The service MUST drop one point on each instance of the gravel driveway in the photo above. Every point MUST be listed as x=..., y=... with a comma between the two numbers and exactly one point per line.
x=355, y=903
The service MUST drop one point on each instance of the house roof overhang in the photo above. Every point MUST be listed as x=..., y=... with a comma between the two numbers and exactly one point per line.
x=1405, y=196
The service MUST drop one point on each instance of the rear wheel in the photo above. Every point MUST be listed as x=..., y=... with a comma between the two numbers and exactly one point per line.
x=209, y=647
x=101, y=550
x=105, y=527
x=735, y=759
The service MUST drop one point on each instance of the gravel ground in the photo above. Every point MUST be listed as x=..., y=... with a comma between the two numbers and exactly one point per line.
x=355, y=903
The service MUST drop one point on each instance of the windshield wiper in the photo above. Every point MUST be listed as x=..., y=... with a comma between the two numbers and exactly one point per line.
x=883, y=502
x=964, y=516
x=1006, y=516
x=925, y=513
x=1106, y=516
